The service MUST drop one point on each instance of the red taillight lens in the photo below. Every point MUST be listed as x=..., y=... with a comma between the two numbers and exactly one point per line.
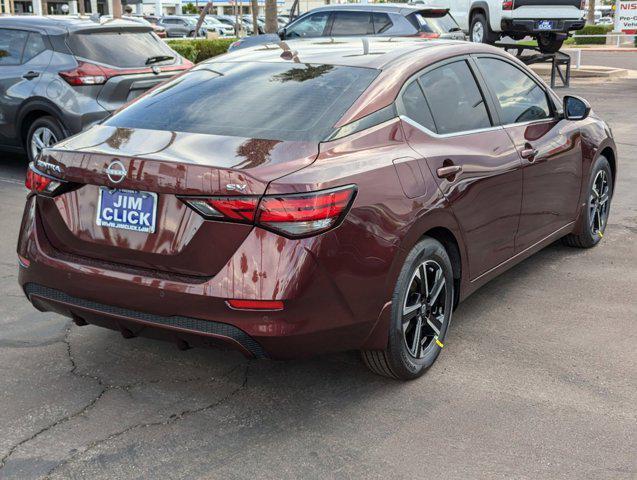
x=295, y=215
x=255, y=304
x=428, y=35
x=238, y=209
x=86, y=74
x=305, y=214
x=507, y=5
x=38, y=183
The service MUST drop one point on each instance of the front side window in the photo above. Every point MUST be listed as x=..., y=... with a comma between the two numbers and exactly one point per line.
x=352, y=23
x=520, y=98
x=310, y=26
x=12, y=43
x=455, y=100
x=271, y=101
x=119, y=49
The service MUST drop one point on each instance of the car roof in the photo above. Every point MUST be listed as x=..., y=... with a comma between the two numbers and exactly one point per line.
x=401, y=8
x=368, y=52
x=68, y=23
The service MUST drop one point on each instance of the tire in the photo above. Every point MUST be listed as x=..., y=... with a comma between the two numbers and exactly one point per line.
x=549, y=42
x=37, y=134
x=480, y=31
x=400, y=360
x=594, y=216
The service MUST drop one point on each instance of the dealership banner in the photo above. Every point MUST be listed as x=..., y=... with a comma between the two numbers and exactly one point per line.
x=626, y=16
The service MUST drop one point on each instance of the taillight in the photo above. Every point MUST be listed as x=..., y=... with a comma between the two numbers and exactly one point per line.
x=43, y=184
x=301, y=215
x=292, y=215
x=428, y=35
x=86, y=74
x=237, y=209
x=507, y=5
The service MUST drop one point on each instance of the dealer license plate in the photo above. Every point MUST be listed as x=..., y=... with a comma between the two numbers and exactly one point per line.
x=545, y=25
x=127, y=209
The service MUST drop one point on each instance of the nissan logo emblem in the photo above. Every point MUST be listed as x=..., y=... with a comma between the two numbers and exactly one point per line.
x=116, y=171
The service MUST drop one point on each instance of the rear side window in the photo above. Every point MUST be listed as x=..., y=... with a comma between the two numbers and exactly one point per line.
x=273, y=101
x=439, y=23
x=382, y=22
x=520, y=98
x=416, y=106
x=35, y=45
x=12, y=43
x=119, y=49
x=455, y=100
x=352, y=23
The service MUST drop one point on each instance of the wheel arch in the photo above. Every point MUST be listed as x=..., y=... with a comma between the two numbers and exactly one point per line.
x=448, y=240
x=479, y=7
x=609, y=153
x=33, y=110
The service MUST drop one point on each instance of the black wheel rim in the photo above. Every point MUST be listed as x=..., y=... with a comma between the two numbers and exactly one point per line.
x=599, y=203
x=424, y=309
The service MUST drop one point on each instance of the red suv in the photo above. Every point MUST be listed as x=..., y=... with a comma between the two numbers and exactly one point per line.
x=313, y=197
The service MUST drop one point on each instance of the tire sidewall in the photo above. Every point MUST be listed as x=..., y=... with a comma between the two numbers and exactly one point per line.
x=49, y=122
x=427, y=249
x=479, y=18
x=600, y=164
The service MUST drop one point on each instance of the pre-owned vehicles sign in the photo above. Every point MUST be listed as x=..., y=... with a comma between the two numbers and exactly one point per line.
x=626, y=16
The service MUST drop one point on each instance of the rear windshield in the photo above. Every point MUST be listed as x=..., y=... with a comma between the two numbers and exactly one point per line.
x=119, y=49
x=440, y=23
x=274, y=101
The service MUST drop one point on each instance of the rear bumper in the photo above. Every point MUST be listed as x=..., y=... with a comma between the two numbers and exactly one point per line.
x=316, y=317
x=529, y=26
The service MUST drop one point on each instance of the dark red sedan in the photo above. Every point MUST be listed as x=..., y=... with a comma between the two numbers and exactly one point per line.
x=314, y=196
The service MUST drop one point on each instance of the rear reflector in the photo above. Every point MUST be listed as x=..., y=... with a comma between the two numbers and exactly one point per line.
x=292, y=215
x=507, y=5
x=255, y=304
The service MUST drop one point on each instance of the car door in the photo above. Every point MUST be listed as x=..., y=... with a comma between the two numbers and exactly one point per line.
x=471, y=158
x=549, y=147
x=23, y=58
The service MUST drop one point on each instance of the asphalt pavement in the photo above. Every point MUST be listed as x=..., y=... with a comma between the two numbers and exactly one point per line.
x=538, y=378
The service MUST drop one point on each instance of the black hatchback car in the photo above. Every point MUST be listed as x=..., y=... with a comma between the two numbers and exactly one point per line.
x=59, y=76
x=352, y=20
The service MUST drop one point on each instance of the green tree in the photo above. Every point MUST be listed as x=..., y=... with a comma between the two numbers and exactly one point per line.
x=190, y=8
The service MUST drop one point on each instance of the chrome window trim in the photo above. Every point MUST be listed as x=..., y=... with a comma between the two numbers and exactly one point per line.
x=417, y=125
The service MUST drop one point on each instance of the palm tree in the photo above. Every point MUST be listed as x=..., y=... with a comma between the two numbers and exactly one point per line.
x=590, y=18
x=271, y=25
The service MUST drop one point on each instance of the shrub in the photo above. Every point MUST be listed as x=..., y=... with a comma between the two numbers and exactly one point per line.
x=198, y=50
x=185, y=49
x=593, y=30
x=190, y=8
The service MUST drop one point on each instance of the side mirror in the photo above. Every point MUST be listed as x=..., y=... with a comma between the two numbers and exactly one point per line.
x=282, y=33
x=576, y=108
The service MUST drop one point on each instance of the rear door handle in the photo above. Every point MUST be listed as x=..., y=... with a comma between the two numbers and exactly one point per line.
x=31, y=75
x=529, y=153
x=449, y=171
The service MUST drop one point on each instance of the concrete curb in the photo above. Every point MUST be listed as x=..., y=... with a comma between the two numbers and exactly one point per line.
x=586, y=71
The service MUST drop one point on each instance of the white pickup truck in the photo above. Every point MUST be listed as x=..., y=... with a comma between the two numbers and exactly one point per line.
x=486, y=21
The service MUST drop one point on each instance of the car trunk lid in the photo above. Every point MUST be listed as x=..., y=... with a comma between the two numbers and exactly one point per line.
x=170, y=165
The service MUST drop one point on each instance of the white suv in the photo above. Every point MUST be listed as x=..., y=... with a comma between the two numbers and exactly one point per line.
x=486, y=21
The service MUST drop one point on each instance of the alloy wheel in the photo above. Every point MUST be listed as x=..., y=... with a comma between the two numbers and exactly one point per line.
x=599, y=203
x=423, y=314
x=477, y=33
x=42, y=138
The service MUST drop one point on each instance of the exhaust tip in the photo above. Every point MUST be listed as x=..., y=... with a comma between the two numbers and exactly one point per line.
x=183, y=345
x=79, y=321
x=126, y=333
